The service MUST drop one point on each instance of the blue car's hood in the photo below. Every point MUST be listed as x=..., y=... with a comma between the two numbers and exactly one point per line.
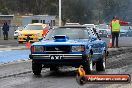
x=68, y=42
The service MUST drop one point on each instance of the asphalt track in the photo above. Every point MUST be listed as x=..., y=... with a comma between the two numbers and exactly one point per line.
x=19, y=74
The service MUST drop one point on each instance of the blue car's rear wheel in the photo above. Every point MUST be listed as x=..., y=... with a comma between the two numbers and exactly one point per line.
x=100, y=65
x=87, y=66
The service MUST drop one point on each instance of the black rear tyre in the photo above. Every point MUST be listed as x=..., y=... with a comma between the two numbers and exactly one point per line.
x=86, y=67
x=36, y=68
x=100, y=65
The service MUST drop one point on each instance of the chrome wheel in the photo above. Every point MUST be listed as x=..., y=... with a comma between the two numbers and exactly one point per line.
x=91, y=64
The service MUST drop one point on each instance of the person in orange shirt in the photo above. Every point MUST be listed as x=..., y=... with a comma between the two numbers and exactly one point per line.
x=115, y=29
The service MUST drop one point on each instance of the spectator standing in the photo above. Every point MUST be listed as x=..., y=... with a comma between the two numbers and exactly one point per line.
x=5, y=29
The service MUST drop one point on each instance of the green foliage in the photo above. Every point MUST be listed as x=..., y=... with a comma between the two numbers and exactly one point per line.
x=82, y=11
x=4, y=11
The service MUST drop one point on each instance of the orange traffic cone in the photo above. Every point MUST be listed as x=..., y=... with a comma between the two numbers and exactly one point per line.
x=28, y=44
x=81, y=71
x=110, y=43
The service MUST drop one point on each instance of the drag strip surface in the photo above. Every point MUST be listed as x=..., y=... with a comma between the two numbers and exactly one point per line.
x=19, y=75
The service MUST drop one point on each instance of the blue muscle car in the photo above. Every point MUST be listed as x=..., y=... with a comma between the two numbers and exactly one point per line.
x=69, y=46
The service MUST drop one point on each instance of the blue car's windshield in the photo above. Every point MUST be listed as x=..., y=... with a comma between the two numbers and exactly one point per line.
x=72, y=33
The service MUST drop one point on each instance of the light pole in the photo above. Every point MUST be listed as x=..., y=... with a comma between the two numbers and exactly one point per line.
x=59, y=12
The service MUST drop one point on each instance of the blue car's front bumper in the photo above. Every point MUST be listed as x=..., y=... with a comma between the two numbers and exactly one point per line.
x=74, y=60
x=66, y=60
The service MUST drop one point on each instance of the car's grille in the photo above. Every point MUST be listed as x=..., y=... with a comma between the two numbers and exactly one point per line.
x=28, y=34
x=57, y=49
x=31, y=38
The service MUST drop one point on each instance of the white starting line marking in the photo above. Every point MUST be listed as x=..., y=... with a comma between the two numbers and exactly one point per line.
x=2, y=45
x=5, y=50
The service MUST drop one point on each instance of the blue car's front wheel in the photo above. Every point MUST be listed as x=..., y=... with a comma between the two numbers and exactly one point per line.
x=36, y=68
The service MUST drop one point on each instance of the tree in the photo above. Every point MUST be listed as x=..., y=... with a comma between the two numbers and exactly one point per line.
x=72, y=11
x=82, y=11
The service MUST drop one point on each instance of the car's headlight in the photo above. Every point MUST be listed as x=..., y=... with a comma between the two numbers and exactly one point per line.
x=19, y=34
x=37, y=34
x=79, y=48
x=37, y=48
